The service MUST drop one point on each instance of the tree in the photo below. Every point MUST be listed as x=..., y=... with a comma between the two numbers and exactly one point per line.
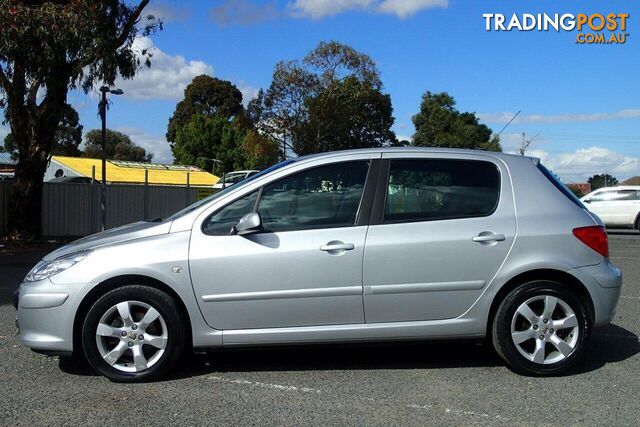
x=207, y=96
x=602, y=180
x=204, y=138
x=330, y=100
x=211, y=123
x=259, y=151
x=68, y=136
x=440, y=124
x=48, y=48
x=118, y=146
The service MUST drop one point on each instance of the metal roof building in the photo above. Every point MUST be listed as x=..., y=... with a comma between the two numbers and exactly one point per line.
x=129, y=172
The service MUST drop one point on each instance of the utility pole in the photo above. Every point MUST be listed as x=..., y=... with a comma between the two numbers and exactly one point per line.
x=103, y=115
x=525, y=143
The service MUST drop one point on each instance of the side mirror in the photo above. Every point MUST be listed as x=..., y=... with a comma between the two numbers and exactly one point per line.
x=248, y=224
x=587, y=200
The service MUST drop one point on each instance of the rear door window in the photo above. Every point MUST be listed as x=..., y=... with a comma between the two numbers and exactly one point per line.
x=439, y=189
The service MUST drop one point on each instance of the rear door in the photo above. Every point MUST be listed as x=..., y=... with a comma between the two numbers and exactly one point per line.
x=441, y=228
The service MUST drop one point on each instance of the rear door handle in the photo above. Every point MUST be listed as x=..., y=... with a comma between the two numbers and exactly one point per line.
x=334, y=246
x=489, y=238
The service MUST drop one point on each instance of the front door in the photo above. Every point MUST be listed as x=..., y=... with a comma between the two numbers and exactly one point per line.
x=437, y=238
x=305, y=268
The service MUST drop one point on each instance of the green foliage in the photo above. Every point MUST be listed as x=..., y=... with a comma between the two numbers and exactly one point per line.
x=118, y=146
x=210, y=137
x=210, y=123
x=259, y=151
x=440, y=124
x=68, y=136
x=207, y=96
x=602, y=180
x=46, y=49
x=330, y=100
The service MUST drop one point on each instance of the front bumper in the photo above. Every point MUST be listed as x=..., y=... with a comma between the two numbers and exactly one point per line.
x=45, y=316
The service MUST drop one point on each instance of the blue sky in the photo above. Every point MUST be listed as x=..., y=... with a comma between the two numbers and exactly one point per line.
x=583, y=101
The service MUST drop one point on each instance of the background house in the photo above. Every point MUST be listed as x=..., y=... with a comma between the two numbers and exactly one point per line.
x=7, y=166
x=632, y=181
x=125, y=172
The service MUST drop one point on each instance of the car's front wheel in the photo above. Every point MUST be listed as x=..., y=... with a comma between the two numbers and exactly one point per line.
x=133, y=333
x=541, y=328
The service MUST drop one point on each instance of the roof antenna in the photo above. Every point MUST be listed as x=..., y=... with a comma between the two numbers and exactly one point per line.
x=512, y=119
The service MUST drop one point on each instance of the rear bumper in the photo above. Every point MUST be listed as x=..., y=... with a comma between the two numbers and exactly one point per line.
x=604, y=283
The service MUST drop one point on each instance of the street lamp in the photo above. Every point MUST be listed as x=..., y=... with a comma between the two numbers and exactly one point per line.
x=103, y=115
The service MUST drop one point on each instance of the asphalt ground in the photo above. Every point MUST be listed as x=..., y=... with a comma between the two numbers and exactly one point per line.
x=412, y=384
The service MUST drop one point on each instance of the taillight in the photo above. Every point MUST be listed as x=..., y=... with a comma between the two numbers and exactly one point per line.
x=595, y=237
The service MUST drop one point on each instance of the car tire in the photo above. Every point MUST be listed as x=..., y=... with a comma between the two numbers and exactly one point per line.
x=541, y=328
x=133, y=333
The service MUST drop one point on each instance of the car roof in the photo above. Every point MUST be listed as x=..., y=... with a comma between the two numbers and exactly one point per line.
x=620, y=187
x=418, y=150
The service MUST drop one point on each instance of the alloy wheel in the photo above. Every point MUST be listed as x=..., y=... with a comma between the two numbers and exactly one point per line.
x=545, y=329
x=131, y=336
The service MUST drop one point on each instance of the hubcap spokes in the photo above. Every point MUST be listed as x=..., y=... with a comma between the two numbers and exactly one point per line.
x=545, y=329
x=131, y=336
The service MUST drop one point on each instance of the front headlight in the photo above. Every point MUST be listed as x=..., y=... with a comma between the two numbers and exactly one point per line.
x=46, y=269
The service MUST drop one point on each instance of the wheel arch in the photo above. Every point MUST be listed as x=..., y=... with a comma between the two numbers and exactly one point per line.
x=561, y=277
x=114, y=283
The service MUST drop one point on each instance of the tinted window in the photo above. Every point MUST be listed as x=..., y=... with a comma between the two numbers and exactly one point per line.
x=625, y=195
x=612, y=196
x=323, y=197
x=559, y=185
x=436, y=189
x=221, y=222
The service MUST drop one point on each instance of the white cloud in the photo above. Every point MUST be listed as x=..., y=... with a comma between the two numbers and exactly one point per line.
x=166, y=78
x=559, y=118
x=156, y=144
x=248, y=92
x=406, y=8
x=167, y=12
x=577, y=166
x=317, y=9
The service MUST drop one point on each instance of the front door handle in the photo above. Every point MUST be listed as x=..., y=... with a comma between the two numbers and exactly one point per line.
x=337, y=246
x=480, y=238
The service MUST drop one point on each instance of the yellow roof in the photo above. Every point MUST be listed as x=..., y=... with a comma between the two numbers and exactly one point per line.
x=133, y=172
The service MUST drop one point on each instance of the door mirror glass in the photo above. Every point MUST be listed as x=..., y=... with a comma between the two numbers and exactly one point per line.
x=248, y=224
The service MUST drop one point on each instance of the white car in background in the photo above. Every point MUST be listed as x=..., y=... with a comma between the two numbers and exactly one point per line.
x=231, y=178
x=616, y=206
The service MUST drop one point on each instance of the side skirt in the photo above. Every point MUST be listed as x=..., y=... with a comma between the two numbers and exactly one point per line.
x=401, y=331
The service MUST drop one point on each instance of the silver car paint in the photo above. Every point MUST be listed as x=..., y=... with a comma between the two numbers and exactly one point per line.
x=542, y=239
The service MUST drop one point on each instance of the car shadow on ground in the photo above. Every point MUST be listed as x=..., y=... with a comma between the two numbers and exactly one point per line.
x=610, y=344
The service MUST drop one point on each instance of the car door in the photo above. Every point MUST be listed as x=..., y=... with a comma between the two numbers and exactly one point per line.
x=623, y=206
x=304, y=269
x=441, y=227
x=600, y=203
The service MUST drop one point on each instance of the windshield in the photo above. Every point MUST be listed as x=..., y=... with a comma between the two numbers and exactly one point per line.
x=221, y=193
x=234, y=177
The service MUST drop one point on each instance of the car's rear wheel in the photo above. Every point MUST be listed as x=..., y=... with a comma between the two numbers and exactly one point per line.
x=541, y=328
x=133, y=333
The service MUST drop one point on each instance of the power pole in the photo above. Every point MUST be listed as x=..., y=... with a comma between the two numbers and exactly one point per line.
x=526, y=143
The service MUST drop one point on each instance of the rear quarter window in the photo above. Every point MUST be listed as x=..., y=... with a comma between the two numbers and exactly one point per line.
x=560, y=186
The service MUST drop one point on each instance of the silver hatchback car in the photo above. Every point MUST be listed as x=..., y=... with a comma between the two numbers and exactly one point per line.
x=364, y=245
